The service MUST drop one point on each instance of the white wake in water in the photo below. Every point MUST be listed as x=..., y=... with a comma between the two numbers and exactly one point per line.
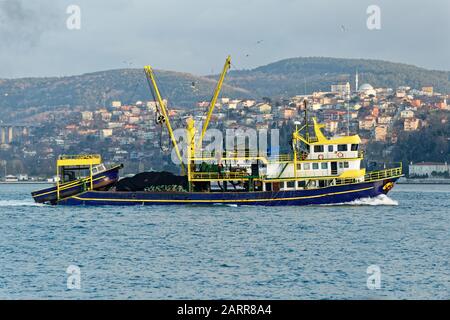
x=225, y=204
x=19, y=203
x=381, y=200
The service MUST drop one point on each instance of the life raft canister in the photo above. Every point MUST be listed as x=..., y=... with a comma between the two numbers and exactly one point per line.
x=388, y=186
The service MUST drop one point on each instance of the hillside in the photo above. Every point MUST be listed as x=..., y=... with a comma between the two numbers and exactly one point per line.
x=288, y=77
x=283, y=78
x=95, y=89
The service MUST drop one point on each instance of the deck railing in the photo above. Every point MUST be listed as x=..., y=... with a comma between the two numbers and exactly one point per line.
x=218, y=176
x=369, y=177
x=253, y=156
x=241, y=156
x=383, y=174
x=79, y=156
x=374, y=176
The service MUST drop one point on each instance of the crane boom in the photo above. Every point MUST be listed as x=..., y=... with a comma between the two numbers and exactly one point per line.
x=212, y=104
x=152, y=83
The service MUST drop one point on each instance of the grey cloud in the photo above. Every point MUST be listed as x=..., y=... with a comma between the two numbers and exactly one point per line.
x=196, y=35
x=22, y=23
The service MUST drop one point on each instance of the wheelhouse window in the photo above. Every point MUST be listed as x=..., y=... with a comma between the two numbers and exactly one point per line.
x=315, y=166
x=342, y=147
x=330, y=148
x=291, y=184
x=344, y=165
x=306, y=166
x=355, y=147
x=318, y=149
x=324, y=165
x=301, y=184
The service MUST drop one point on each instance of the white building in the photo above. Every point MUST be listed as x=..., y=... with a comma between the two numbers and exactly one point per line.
x=22, y=177
x=342, y=89
x=248, y=103
x=367, y=89
x=11, y=178
x=407, y=114
x=87, y=115
x=428, y=169
x=105, y=133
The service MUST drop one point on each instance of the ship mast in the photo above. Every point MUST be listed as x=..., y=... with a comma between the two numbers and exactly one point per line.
x=305, y=103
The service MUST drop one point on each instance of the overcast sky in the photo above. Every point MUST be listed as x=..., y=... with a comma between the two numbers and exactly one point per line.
x=196, y=35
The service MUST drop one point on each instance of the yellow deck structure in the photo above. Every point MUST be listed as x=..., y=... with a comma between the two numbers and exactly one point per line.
x=76, y=161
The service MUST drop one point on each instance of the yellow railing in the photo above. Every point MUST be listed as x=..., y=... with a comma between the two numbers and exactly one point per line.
x=383, y=174
x=369, y=177
x=282, y=158
x=373, y=176
x=79, y=156
x=218, y=176
x=344, y=181
x=253, y=156
x=228, y=154
x=241, y=155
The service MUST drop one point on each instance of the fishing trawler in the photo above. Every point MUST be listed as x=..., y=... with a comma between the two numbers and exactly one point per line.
x=319, y=170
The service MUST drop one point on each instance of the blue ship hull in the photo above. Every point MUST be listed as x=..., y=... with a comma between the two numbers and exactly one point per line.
x=328, y=195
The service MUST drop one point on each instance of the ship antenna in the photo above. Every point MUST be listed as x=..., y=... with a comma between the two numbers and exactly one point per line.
x=306, y=119
x=348, y=118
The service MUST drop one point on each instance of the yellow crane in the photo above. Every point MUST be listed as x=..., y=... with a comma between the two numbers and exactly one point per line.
x=212, y=104
x=191, y=130
x=165, y=116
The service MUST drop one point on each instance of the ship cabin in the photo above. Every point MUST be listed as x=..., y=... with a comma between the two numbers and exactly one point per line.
x=316, y=162
x=71, y=168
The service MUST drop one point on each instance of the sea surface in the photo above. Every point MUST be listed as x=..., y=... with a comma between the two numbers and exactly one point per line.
x=228, y=252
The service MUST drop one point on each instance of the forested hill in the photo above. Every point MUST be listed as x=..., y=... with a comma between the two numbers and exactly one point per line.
x=96, y=89
x=292, y=76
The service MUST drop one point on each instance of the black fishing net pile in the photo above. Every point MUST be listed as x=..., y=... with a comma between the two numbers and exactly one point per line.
x=150, y=180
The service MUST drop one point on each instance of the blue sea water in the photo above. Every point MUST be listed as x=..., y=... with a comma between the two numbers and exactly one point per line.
x=226, y=252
